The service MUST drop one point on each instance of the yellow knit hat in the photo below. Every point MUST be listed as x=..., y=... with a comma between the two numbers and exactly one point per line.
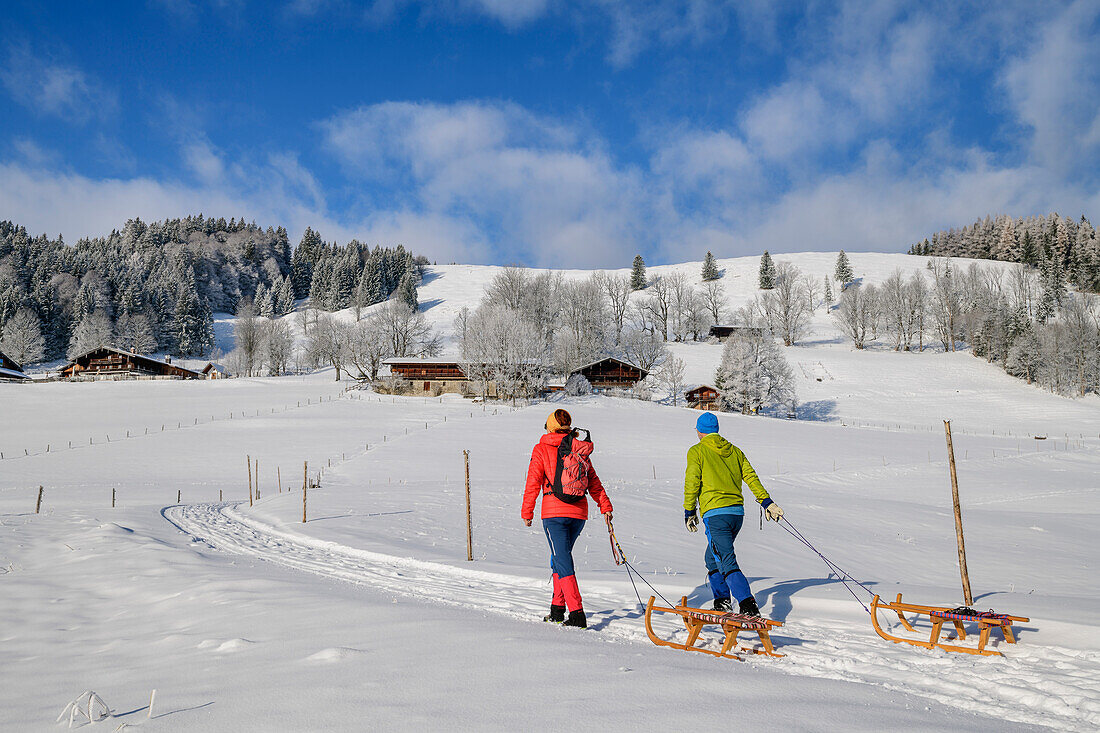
x=559, y=422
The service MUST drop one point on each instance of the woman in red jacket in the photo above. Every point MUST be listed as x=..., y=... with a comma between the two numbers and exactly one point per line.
x=561, y=520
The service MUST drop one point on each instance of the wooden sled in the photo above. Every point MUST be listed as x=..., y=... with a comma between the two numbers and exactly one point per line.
x=938, y=615
x=731, y=625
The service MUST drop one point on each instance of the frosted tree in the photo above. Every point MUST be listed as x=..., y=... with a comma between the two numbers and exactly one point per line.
x=21, y=338
x=670, y=376
x=714, y=299
x=305, y=254
x=407, y=330
x=582, y=335
x=133, y=332
x=617, y=290
x=508, y=288
x=710, y=268
x=1007, y=248
x=659, y=303
x=1025, y=356
x=643, y=348
x=328, y=342
x=504, y=349
x=93, y=332
x=856, y=313
x=637, y=274
x=248, y=338
x=767, y=272
x=368, y=346
x=277, y=345
x=828, y=292
x=577, y=385
x=946, y=302
x=784, y=306
x=843, y=271
x=754, y=374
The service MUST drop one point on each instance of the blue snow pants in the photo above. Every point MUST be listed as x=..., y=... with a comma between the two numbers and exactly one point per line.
x=562, y=534
x=726, y=578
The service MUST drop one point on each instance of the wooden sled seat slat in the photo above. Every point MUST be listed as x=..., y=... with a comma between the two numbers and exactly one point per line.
x=938, y=615
x=731, y=624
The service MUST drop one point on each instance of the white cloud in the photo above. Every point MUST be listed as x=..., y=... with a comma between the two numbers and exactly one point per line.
x=1055, y=88
x=48, y=87
x=543, y=192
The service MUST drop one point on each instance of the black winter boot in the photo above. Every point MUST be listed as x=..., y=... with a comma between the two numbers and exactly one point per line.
x=557, y=614
x=577, y=619
x=723, y=605
x=748, y=607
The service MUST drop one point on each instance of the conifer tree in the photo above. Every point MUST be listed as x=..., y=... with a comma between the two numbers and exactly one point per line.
x=406, y=292
x=767, y=272
x=302, y=262
x=828, y=292
x=710, y=268
x=843, y=272
x=637, y=274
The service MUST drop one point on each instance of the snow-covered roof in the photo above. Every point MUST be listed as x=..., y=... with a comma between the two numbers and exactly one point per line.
x=422, y=360
x=610, y=358
x=12, y=374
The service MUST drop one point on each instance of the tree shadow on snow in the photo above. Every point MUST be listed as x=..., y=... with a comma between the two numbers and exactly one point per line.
x=429, y=304
x=818, y=410
x=428, y=276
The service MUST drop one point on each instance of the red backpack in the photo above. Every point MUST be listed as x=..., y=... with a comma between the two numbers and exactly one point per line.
x=573, y=468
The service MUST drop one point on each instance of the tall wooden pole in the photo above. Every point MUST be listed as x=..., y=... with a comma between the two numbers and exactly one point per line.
x=968, y=598
x=279, y=475
x=305, y=486
x=38, y=504
x=469, y=529
x=257, y=477
x=248, y=460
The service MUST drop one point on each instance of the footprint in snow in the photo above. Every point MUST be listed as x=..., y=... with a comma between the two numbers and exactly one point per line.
x=333, y=655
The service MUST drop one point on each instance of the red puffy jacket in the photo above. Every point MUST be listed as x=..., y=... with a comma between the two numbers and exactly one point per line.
x=540, y=477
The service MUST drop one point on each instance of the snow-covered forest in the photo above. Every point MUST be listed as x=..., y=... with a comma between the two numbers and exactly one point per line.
x=155, y=287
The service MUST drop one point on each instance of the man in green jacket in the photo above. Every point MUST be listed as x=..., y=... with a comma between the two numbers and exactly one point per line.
x=715, y=471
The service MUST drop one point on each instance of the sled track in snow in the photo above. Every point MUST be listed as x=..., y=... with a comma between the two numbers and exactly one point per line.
x=1051, y=686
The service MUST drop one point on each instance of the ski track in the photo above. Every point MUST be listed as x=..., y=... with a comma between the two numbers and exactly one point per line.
x=1045, y=685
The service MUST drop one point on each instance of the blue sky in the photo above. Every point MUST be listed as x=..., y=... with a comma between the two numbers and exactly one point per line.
x=552, y=132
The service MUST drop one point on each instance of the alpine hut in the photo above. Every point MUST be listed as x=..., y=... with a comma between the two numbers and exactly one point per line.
x=10, y=370
x=111, y=363
x=611, y=373
x=702, y=397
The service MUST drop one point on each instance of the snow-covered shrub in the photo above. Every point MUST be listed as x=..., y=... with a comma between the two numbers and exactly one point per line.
x=577, y=385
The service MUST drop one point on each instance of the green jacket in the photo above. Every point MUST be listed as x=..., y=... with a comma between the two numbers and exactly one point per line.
x=715, y=470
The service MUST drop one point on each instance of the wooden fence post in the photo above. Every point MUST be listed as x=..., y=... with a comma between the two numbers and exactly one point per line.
x=279, y=473
x=179, y=496
x=248, y=462
x=967, y=597
x=257, y=476
x=112, y=498
x=38, y=504
x=305, y=487
x=469, y=529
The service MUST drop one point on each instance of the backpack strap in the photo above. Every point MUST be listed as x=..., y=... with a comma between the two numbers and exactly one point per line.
x=564, y=449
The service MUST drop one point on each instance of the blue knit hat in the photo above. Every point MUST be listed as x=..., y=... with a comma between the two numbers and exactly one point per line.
x=707, y=423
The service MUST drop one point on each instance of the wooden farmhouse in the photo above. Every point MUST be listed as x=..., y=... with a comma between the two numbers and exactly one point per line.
x=703, y=397
x=611, y=373
x=10, y=370
x=111, y=363
x=722, y=333
x=427, y=375
x=215, y=371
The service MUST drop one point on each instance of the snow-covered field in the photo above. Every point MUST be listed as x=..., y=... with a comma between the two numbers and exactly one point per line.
x=369, y=616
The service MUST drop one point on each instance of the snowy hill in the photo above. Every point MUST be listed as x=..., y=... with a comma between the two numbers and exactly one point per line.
x=369, y=615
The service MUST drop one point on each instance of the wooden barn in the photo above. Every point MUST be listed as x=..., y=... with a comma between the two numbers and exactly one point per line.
x=10, y=370
x=722, y=333
x=611, y=373
x=703, y=397
x=215, y=371
x=111, y=363
x=426, y=375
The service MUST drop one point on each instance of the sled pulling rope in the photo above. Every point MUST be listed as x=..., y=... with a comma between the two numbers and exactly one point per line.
x=731, y=624
x=937, y=615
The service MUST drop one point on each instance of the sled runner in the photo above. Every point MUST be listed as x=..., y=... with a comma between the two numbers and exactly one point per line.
x=731, y=624
x=938, y=615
